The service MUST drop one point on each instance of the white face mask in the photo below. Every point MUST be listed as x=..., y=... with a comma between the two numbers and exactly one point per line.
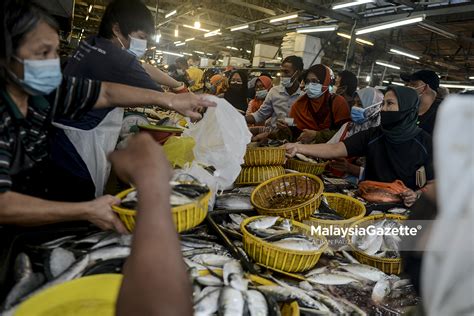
x=137, y=46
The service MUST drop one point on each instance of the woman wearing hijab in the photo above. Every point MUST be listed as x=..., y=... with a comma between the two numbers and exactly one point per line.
x=217, y=85
x=317, y=112
x=262, y=86
x=396, y=150
x=237, y=92
x=364, y=114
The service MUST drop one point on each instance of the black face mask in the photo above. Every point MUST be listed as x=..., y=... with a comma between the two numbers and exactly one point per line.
x=390, y=119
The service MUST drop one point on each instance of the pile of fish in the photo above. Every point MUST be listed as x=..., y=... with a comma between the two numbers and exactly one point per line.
x=325, y=211
x=379, y=245
x=308, y=159
x=182, y=193
x=65, y=259
x=281, y=232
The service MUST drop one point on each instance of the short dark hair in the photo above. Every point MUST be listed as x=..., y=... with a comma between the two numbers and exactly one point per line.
x=180, y=60
x=131, y=15
x=295, y=61
x=19, y=18
x=348, y=80
x=194, y=58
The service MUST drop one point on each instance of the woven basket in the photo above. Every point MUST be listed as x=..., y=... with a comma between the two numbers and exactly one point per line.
x=264, y=156
x=269, y=255
x=305, y=188
x=387, y=265
x=349, y=208
x=185, y=216
x=257, y=175
x=306, y=167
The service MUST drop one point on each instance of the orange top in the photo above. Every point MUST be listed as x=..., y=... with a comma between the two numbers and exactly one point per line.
x=315, y=114
x=255, y=103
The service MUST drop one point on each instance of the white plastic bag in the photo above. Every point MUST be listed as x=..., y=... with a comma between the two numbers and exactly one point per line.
x=221, y=141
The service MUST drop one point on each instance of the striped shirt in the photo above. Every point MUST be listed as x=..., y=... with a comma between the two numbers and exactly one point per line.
x=24, y=140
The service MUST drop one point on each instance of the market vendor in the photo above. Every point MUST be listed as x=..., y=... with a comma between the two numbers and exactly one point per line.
x=79, y=148
x=279, y=99
x=318, y=114
x=30, y=70
x=398, y=149
x=236, y=94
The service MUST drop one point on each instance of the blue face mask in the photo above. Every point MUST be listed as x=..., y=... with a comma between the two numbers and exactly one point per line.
x=137, y=46
x=358, y=115
x=261, y=94
x=314, y=90
x=40, y=77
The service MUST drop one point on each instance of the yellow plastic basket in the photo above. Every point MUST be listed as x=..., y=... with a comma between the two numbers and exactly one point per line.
x=303, y=186
x=349, y=208
x=387, y=265
x=306, y=167
x=257, y=175
x=269, y=255
x=264, y=156
x=185, y=216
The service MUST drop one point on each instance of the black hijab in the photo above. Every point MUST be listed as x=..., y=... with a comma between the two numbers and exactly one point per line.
x=237, y=96
x=403, y=123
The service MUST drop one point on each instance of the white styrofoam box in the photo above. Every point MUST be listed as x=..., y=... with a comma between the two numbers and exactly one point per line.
x=264, y=50
x=204, y=62
x=238, y=62
x=257, y=60
x=307, y=43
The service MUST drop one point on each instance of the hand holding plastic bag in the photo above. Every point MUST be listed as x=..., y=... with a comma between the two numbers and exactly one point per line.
x=221, y=140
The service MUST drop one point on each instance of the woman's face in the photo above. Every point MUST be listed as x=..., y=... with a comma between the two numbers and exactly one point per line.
x=236, y=79
x=390, y=102
x=311, y=77
x=39, y=44
x=259, y=86
x=357, y=102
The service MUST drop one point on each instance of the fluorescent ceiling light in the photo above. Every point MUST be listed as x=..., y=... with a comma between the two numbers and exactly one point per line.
x=344, y=35
x=358, y=40
x=367, y=79
x=152, y=48
x=363, y=41
x=385, y=64
x=237, y=28
x=170, y=14
x=350, y=4
x=199, y=52
x=399, y=52
x=389, y=25
x=90, y=8
x=471, y=78
x=176, y=33
x=249, y=51
x=189, y=39
x=283, y=18
x=195, y=28
x=172, y=54
x=233, y=48
x=177, y=42
x=208, y=54
x=394, y=83
x=213, y=33
x=87, y=17
x=180, y=44
x=437, y=30
x=197, y=24
x=315, y=29
x=187, y=54
x=456, y=86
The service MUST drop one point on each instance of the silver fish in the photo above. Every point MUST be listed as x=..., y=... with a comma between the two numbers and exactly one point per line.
x=116, y=252
x=349, y=257
x=381, y=290
x=57, y=242
x=298, y=244
x=257, y=304
x=305, y=285
x=207, y=301
x=331, y=279
x=397, y=210
x=365, y=271
x=233, y=275
x=232, y=201
x=305, y=159
x=177, y=199
x=26, y=281
x=92, y=239
x=59, y=260
x=287, y=293
x=211, y=260
x=209, y=280
x=231, y=302
x=328, y=301
x=400, y=283
x=264, y=222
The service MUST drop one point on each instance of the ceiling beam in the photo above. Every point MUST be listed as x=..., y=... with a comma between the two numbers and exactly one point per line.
x=253, y=7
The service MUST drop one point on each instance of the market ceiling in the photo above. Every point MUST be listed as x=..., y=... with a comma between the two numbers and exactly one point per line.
x=443, y=41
